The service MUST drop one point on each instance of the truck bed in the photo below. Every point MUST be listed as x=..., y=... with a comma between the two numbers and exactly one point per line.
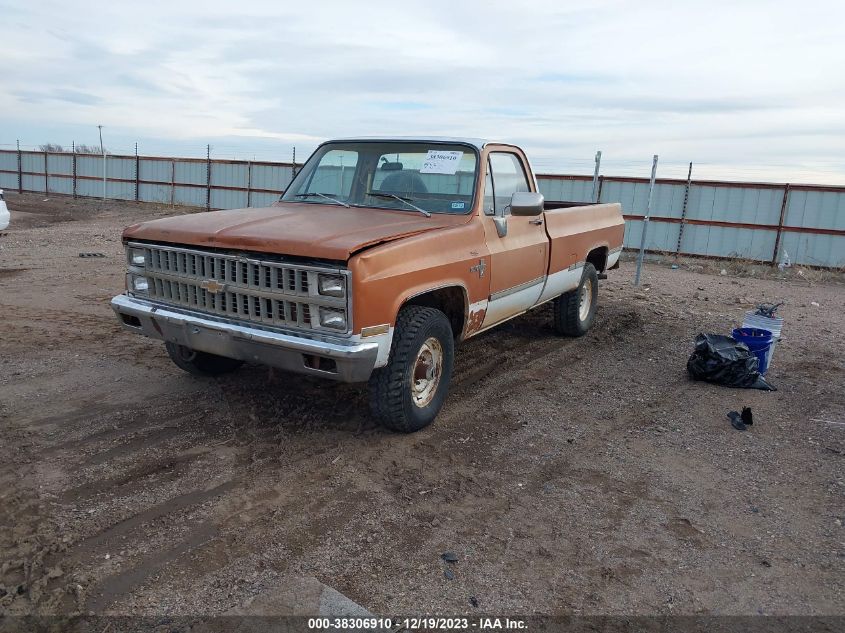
x=576, y=229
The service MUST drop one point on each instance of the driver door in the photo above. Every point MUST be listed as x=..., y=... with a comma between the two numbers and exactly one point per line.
x=518, y=259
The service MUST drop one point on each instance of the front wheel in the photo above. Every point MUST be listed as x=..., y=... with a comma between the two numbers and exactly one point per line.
x=200, y=363
x=574, y=311
x=408, y=393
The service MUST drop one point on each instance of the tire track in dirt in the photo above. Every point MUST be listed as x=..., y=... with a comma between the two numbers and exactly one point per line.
x=90, y=545
x=171, y=465
x=113, y=587
x=50, y=316
x=142, y=441
x=127, y=426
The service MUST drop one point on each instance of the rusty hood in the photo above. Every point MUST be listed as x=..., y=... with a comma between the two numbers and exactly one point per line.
x=289, y=228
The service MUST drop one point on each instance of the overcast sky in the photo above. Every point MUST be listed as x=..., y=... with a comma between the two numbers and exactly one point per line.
x=745, y=89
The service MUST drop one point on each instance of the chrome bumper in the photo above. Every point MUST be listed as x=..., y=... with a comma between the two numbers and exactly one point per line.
x=347, y=361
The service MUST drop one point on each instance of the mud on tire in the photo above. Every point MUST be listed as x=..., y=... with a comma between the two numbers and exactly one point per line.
x=572, y=316
x=408, y=393
x=201, y=363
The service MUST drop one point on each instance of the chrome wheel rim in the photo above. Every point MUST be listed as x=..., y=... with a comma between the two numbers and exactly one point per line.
x=585, y=300
x=428, y=368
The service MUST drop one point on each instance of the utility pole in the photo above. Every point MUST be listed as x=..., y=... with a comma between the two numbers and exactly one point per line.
x=103, y=150
x=645, y=222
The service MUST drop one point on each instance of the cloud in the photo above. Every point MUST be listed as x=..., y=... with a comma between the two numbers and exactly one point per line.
x=739, y=86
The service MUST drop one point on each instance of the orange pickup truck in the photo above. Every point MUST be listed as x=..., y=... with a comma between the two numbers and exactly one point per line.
x=380, y=256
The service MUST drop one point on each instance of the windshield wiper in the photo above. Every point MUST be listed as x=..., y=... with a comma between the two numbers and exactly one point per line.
x=381, y=194
x=322, y=195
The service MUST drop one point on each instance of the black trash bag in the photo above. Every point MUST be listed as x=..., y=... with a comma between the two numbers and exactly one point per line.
x=721, y=359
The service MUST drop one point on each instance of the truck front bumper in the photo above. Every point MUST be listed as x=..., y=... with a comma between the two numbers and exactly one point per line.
x=328, y=357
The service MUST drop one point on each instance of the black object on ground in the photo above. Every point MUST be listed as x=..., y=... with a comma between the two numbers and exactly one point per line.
x=449, y=557
x=722, y=360
x=91, y=255
x=768, y=309
x=450, y=575
x=473, y=601
x=736, y=421
x=741, y=421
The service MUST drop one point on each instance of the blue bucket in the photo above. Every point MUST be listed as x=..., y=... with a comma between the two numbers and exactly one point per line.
x=758, y=341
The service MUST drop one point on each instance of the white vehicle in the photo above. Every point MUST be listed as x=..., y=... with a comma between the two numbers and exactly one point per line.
x=4, y=212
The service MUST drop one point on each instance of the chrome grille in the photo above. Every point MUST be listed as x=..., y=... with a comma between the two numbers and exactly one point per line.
x=238, y=287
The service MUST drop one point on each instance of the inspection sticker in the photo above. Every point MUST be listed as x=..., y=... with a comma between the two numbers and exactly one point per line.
x=457, y=205
x=441, y=162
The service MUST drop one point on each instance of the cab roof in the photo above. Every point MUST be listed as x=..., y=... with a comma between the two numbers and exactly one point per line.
x=478, y=143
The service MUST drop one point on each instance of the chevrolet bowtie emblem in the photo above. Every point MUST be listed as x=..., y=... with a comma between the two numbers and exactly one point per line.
x=480, y=267
x=212, y=285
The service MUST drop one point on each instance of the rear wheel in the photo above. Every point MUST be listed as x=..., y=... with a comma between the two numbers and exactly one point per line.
x=574, y=311
x=201, y=363
x=408, y=393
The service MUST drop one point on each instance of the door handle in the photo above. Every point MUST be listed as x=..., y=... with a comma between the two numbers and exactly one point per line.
x=538, y=222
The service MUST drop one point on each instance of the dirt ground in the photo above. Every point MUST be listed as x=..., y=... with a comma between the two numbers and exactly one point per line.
x=578, y=476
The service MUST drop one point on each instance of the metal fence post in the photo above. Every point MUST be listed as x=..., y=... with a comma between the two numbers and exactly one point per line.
x=20, y=171
x=46, y=174
x=645, y=222
x=137, y=171
x=293, y=166
x=684, y=210
x=783, y=205
x=172, y=183
x=73, y=163
x=208, y=178
x=103, y=150
x=594, y=196
x=249, y=183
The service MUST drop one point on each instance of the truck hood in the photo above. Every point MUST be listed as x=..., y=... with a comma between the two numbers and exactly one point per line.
x=290, y=228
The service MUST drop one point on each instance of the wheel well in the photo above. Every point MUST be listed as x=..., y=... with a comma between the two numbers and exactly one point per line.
x=598, y=258
x=451, y=301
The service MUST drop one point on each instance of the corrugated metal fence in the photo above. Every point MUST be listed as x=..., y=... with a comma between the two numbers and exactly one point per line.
x=215, y=184
x=754, y=221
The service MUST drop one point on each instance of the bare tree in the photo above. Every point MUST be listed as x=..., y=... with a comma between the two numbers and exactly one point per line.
x=55, y=148
x=90, y=149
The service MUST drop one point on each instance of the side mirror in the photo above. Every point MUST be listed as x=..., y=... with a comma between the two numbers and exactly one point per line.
x=527, y=203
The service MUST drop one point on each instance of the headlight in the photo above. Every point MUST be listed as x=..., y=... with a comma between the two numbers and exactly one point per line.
x=334, y=319
x=137, y=257
x=331, y=285
x=138, y=283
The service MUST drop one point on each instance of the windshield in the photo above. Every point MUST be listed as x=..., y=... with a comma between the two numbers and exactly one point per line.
x=416, y=177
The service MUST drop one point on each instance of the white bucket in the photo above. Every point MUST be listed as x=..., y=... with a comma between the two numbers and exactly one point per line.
x=773, y=325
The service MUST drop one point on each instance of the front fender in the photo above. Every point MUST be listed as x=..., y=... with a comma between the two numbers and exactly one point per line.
x=385, y=277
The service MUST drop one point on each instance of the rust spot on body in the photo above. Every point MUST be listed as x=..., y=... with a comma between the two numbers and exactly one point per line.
x=476, y=320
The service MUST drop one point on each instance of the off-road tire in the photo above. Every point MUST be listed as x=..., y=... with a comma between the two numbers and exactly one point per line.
x=392, y=399
x=569, y=318
x=200, y=363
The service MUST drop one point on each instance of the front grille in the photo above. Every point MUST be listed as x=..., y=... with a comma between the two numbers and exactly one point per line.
x=238, y=287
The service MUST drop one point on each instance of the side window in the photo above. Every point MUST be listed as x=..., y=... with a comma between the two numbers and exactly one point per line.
x=508, y=178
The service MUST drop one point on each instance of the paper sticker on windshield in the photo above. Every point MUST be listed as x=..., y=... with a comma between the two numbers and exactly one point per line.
x=441, y=162
x=457, y=205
